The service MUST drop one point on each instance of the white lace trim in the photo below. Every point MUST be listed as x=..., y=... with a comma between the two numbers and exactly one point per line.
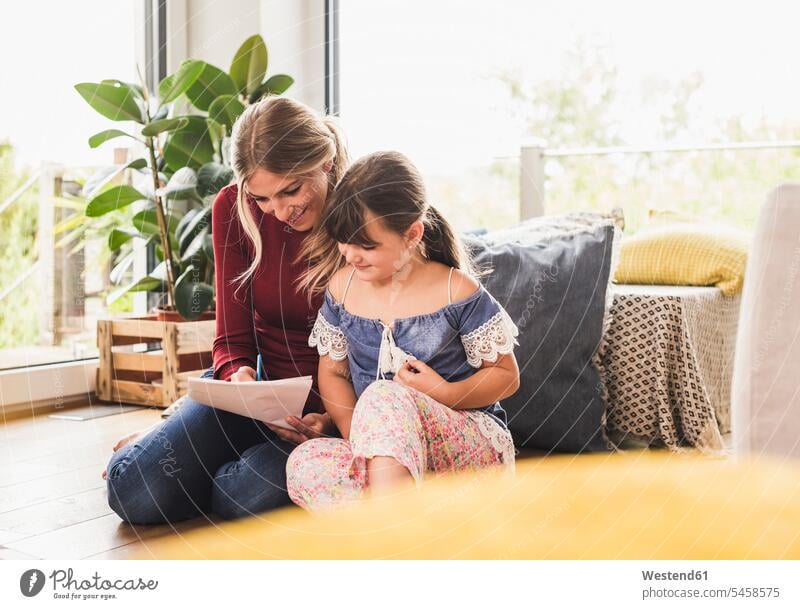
x=499, y=437
x=493, y=337
x=328, y=339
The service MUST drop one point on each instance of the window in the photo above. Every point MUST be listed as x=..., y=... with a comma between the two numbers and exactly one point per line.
x=458, y=86
x=51, y=293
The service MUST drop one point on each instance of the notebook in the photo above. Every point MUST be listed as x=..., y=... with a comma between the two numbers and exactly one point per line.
x=267, y=401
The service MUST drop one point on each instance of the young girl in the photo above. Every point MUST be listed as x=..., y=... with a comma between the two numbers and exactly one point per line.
x=414, y=352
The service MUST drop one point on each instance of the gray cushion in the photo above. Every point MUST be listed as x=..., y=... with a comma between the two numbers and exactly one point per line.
x=554, y=285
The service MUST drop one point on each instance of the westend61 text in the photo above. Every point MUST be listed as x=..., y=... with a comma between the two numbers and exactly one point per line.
x=675, y=575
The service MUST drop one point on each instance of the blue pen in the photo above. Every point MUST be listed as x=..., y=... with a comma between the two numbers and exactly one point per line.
x=258, y=367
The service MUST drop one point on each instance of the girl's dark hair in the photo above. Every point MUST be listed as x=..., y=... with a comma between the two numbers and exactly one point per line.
x=389, y=187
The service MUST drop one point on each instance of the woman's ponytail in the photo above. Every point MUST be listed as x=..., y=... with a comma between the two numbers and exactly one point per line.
x=342, y=158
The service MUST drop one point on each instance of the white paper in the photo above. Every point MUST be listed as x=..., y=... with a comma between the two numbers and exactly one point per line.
x=267, y=401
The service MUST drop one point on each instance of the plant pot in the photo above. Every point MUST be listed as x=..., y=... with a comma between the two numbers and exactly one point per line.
x=155, y=377
x=173, y=315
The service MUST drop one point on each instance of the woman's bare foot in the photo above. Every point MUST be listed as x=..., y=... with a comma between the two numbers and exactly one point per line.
x=125, y=440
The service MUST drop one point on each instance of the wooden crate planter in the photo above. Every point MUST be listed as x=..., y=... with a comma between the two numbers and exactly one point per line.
x=152, y=378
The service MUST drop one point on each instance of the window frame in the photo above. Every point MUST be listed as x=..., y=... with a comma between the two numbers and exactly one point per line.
x=332, y=97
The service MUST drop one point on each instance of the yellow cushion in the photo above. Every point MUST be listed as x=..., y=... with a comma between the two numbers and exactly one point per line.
x=643, y=505
x=685, y=254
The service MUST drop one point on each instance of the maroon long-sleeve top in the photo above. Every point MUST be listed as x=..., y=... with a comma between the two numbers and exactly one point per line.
x=268, y=314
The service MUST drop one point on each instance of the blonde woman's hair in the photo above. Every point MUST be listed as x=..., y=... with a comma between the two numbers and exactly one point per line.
x=389, y=187
x=285, y=137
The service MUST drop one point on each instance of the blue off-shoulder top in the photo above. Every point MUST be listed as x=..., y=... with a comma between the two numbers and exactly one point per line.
x=454, y=340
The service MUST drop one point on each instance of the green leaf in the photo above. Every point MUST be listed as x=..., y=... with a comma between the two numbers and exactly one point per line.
x=99, y=179
x=275, y=85
x=217, y=133
x=114, y=101
x=137, y=164
x=119, y=236
x=184, y=222
x=249, y=64
x=160, y=272
x=195, y=246
x=164, y=124
x=109, y=134
x=208, y=247
x=192, y=296
x=137, y=89
x=162, y=177
x=211, y=83
x=278, y=83
x=173, y=85
x=116, y=274
x=196, y=225
x=146, y=221
x=225, y=110
x=160, y=252
x=213, y=177
x=181, y=185
x=112, y=199
x=103, y=176
x=189, y=146
x=148, y=229
x=144, y=284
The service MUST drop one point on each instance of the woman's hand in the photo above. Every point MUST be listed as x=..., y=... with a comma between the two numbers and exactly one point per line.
x=243, y=374
x=313, y=425
x=420, y=376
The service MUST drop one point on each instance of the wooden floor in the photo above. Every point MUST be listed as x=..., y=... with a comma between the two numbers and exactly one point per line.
x=53, y=500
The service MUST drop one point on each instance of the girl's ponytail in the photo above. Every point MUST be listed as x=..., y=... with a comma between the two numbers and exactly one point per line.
x=442, y=244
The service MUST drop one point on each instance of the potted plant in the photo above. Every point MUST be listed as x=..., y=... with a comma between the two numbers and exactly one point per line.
x=183, y=160
x=183, y=166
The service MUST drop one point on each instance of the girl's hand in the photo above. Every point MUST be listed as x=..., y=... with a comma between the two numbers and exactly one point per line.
x=312, y=425
x=418, y=375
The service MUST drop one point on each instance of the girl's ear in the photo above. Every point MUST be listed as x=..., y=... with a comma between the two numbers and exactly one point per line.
x=414, y=233
x=326, y=167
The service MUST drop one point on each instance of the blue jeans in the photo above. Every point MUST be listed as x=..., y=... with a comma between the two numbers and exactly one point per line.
x=199, y=460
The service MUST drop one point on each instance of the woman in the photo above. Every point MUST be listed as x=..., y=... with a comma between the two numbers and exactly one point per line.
x=286, y=160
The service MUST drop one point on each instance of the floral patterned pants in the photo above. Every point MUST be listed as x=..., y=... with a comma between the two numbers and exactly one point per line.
x=393, y=420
